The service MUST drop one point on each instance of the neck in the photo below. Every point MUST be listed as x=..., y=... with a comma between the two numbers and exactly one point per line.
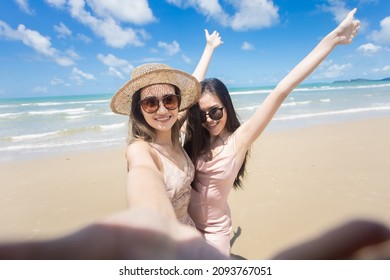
x=220, y=137
x=164, y=138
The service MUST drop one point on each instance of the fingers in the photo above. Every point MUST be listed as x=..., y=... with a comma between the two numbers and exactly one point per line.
x=206, y=32
x=353, y=12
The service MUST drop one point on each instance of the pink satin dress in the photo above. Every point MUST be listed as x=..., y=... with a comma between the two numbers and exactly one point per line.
x=178, y=185
x=209, y=208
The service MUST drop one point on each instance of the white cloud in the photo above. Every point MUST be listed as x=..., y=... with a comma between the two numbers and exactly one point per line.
x=56, y=3
x=78, y=76
x=71, y=53
x=247, y=46
x=382, y=36
x=111, y=60
x=40, y=89
x=186, y=59
x=329, y=69
x=104, y=17
x=84, y=38
x=62, y=30
x=57, y=81
x=33, y=39
x=7, y=32
x=23, y=5
x=114, y=63
x=254, y=14
x=171, y=49
x=384, y=69
x=114, y=72
x=337, y=8
x=132, y=11
x=246, y=15
x=369, y=49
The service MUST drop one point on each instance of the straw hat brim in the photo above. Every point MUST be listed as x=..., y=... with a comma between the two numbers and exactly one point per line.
x=188, y=85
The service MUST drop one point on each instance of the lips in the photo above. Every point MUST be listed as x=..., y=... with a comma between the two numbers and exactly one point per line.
x=212, y=125
x=163, y=119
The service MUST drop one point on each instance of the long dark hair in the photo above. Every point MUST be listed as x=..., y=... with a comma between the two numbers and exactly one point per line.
x=198, y=138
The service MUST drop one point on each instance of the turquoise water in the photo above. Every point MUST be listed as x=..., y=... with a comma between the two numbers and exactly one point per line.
x=42, y=125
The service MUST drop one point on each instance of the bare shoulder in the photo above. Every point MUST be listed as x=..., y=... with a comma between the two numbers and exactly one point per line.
x=141, y=153
x=137, y=148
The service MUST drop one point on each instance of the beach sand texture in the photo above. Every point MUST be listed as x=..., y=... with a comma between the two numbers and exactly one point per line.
x=299, y=183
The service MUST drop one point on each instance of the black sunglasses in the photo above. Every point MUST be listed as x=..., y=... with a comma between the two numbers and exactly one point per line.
x=215, y=113
x=151, y=104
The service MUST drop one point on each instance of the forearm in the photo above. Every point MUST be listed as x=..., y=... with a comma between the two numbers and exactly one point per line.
x=146, y=190
x=304, y=68
x=201, y=69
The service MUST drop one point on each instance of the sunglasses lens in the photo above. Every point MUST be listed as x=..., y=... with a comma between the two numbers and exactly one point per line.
x=171, y=102
x=216, y=114
x=150, y=105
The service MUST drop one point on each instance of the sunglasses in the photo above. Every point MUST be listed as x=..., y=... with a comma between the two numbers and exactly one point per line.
x=215, y=113
x=151, y=104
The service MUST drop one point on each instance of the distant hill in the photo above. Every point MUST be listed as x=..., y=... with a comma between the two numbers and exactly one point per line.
x=362, y=80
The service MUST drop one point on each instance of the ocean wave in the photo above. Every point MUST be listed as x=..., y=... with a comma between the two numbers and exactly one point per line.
x=65, y=132
x=288, y=104
x=52, y=103
x=45, y=146
x=256, y=91
x=113, y=126
x=330, y=113
x=305, y=88
x=8, y=105
x=55, y=112
x=344, y=87
x=76, y=117
x=41, y=104
x=295, y=103
x=34, y=136
x=11, y=115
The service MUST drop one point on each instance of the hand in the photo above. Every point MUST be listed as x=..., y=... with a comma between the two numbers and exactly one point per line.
x=213, y=40
x=347, y=29
x=358, y=239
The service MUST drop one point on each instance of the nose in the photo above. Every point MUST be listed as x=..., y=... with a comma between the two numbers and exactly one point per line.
x=161, y=108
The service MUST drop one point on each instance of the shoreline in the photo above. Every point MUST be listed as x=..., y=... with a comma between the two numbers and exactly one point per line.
x=299, y=182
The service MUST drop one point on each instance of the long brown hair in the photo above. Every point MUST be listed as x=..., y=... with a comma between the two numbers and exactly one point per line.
x=140, y=129
x=198, y=138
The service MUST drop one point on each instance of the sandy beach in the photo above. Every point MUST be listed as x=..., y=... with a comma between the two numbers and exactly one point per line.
x=299, y=183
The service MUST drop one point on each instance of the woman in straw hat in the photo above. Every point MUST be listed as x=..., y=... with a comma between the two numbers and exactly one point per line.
x=157, y=163
x=218, y=145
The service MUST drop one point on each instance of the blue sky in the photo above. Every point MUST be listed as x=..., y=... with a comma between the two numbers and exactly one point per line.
x=67, y=47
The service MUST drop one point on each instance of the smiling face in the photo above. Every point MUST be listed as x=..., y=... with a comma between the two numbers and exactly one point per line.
x=162, y=119
x=207, y=102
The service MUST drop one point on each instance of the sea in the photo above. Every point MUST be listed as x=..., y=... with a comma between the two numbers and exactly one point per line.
x=39, y=126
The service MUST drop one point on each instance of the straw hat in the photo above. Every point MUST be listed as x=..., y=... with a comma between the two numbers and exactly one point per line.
x=151, y=74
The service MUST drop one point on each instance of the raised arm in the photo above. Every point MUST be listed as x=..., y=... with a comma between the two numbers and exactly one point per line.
x=212, y=42
x=343, y=34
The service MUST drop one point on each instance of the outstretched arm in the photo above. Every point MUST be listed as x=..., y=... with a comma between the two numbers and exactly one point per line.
x=251, y=129
x=148, y=229
x=213, y=40
x=145, y=183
